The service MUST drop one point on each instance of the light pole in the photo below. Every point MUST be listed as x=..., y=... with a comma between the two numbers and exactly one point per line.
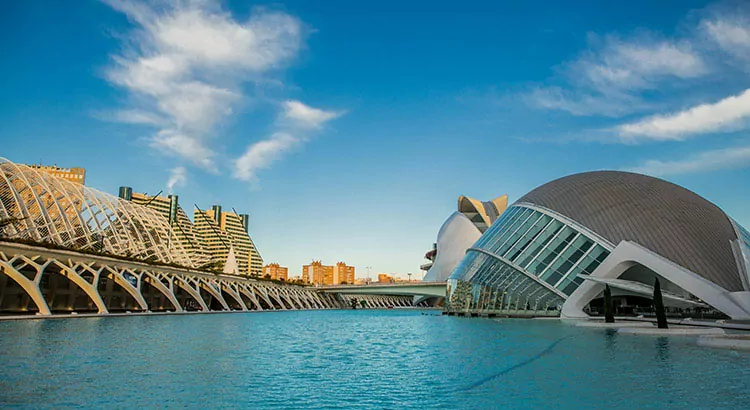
x=409, y=275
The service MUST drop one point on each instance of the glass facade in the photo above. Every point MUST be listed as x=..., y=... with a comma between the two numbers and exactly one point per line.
x=526, y=261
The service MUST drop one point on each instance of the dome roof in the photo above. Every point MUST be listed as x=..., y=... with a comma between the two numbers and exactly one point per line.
x=670, y=220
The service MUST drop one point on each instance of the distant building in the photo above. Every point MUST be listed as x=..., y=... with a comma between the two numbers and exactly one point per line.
x=219, y=230
x=343, y=274
x=209, y=237
x=385, y=278
x=75, y=174
x=459, y=232
x=274, y=271
x=316, y=273
x=319, y=274
x=169, y=208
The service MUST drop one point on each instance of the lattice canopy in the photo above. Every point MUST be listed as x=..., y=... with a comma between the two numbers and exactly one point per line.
x=42, y=208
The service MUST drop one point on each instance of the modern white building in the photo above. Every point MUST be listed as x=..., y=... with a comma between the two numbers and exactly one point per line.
x=554, y=250
x=461, y=230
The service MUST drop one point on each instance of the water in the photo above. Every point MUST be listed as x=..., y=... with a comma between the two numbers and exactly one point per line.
x=357, y=359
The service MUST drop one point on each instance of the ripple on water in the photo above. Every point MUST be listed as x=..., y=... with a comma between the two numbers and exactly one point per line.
x=356, y=359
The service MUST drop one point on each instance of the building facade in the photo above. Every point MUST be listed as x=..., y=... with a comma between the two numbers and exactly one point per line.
x=343, y=274
x=554, y=250
x=74, y=174
x=385, y=278
x=274, y=271
x=464, y=227
x=318, y=274
x=219, y=231
x=169, y=208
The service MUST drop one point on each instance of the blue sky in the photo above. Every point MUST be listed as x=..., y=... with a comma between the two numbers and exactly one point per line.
x=348, y=129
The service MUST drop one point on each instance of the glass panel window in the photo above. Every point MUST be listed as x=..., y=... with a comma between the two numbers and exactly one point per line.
x=541, y=242
x=528, y=238
x=551, y=253
x=511, y=231
x=594, y=259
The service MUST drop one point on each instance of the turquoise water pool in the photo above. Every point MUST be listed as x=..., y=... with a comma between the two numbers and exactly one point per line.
x=357, y=359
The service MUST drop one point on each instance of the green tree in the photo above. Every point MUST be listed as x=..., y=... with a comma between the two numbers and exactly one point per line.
x=609, y=316
x=661, y=316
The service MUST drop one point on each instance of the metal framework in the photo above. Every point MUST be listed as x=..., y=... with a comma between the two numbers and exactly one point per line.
x=45, y=282
x=41, y=208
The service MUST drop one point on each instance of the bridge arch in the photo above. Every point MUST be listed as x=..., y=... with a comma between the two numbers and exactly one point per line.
x=31, y=288
x=106, y=274
x=147, y=279
x=178, y=282
x=234, y=300
x=88, y=287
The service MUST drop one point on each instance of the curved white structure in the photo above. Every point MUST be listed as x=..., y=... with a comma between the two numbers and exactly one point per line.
x=459, y=232
x=38, y=207
x=554, y=250
x=456, y=235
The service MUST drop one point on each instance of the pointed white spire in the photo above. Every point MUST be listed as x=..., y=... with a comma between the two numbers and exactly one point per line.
x=231, y=265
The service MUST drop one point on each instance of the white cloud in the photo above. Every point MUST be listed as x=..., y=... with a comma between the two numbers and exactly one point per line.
x=262, y=154
x=726, y=114
x=728, y=158
x=608, y=80
x=304, y=116
x=186, y=63
x=173, y=142
x=298, y=119
x=731, y=34
x=637, y=65
x=582, y=103
x=177, y=177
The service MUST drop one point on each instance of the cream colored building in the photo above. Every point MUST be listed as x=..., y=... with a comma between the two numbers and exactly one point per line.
x=275, y=271
x=219, y=231
x=170, y=209
x=74, y=174
x=343, y=274
x=319, y=274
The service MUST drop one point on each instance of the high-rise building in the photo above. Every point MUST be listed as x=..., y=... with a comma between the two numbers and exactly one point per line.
x=274, y=271
x=75, y=174
x=170, y=209
x=316, y=273
x=219, y=231
x=343, y=274
x=319, y=274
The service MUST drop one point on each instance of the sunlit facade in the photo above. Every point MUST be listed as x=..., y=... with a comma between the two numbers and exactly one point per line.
x=39, y=207
x=552, y=252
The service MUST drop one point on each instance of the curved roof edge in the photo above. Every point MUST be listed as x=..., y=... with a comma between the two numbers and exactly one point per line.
x=482, y=214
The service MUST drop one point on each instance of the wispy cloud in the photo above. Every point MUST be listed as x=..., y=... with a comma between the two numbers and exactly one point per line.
x=606, y=80
x=297, y=119
x=731, y=34
x=727, y=158
x=730, y=113
x=262, y=154
x=299, y=114
x=186, y=63
x=177, y=177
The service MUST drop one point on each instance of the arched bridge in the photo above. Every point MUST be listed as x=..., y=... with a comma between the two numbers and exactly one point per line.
x=45, y=281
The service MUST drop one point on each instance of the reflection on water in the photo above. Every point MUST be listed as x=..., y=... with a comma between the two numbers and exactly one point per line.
x=357, y=359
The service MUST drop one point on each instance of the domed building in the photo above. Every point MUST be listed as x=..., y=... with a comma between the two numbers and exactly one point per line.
x=554, y=250
x=461, y=230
